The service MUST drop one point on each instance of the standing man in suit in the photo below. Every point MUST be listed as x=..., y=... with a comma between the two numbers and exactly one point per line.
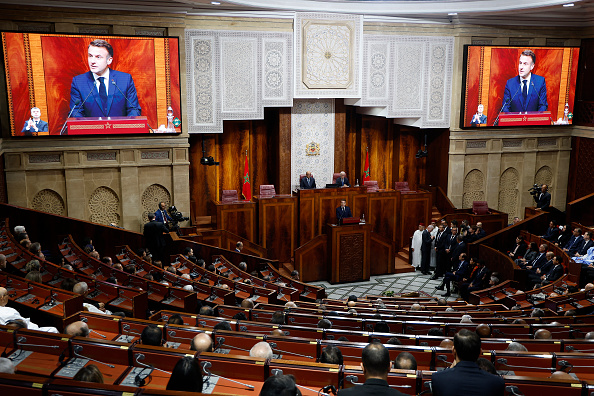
x=465, y=377
x=526, y=91
x=343, y=211
x=426, y=250
x=440, y=254
x=307, y=182
x=376, y=365
x=154, y=237
x=108, y=93
x=35, y=123
x=543, y=200
x=161, y=214
x=343, y=181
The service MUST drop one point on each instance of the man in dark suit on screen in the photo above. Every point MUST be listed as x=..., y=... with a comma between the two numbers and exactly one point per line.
x=108, y=93
x=307, y=182
x=343, y=211
x=35, y=123
x=526, y=91
x=465, y=377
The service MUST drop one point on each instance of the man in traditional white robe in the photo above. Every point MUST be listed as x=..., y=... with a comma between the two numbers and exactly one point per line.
x=416, y=245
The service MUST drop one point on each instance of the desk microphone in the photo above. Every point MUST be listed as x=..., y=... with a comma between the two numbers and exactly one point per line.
x=130, y=103
x=505, y=104
x=533, y=87
x=62, y=130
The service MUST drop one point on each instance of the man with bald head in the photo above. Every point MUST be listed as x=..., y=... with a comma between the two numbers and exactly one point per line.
x=307, y=181
x=77, y=329
x=8, y=314
x=376, y=365
x=201, y=343
x=83, y=289
x=2, y=262
x=247, y=303
x=543, y=334
x=261, y=350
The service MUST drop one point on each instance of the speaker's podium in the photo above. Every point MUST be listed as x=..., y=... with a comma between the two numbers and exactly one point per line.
x=348, y=245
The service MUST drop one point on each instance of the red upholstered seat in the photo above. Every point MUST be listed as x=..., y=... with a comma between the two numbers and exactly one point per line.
x=401, y=186
x=480, y=208
x=335, y=176
x=267, y=191
x=371, y=185
x=229, y=196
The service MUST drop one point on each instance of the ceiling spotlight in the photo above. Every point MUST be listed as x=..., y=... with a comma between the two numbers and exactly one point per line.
x=452, y=13
x=215, y=2
x=568, y=5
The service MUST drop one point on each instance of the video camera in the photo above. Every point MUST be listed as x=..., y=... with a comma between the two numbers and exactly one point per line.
x=176, y=217
x=535, y=189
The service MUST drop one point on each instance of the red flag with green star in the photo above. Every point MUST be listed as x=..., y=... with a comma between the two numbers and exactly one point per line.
x=246, y=190
x=366, y=175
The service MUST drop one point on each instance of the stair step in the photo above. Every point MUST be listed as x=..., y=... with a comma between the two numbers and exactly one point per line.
x=401, y=266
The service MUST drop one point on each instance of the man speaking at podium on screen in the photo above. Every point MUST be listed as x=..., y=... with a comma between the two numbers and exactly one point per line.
x=103, y=92
x=527, y=91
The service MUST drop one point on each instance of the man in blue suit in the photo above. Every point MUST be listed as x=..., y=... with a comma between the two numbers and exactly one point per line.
x=102, y=92
x=35, y=123
x=161, y=214
x=526, y=91
x=343, y=181
x=343, y=211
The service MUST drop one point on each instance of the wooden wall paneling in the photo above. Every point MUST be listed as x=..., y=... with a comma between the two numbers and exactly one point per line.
x=307, y=217
x=340, y=134
x=414, y=208
x=276, y=223
x=349, y=252
x=376, y=135
x=311, y=259
x=438, y=160
x=260, y=157
x=233, y=144
x=410, y=168
x=203, y=179
x=581, y=177
x=284, y=151
x=384, y=255
x=239, y=219
x=383, y=214
x=351, y=143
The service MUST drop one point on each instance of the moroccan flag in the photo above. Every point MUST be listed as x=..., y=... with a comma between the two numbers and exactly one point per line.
x=366, y=175
x=246, y=190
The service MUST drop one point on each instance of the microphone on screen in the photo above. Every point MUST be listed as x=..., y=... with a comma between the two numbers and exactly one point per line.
x=505, y=104
x=129, y=103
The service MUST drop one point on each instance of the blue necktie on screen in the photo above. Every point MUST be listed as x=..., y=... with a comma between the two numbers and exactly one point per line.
x=103, y=94
x=525, y=92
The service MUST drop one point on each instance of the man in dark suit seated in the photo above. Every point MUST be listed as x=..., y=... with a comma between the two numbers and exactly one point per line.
x=554, y=273
x=342, y=180
x=477, y=280
x=458, y=249
x=460, y=271
x=154, y=237
x=343, y=211
x=587, y=243
x=307, y=182
x=543, y=200
x=552, y=232
x=536, y=271
x=519, y=250
x=161, y=214
x=575, y=242
x=465, y=377
x=539, y=259
x=35, y=123
x=526, y=91
x=108, y=93
x=376, y=366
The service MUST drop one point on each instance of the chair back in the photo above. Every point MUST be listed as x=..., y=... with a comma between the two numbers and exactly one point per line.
x=480, y=207
x=371, y=185
x=229, y=196
x=267, y=191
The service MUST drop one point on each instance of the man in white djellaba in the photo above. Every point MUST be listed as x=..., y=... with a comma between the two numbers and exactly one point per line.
x=416, y=246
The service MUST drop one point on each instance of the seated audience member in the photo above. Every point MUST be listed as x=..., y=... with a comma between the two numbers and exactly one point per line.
x=376, y=366
x=575, y=242
x=175, y=319
x=35, y=249
x=466, y=319
x=242, y=266
x=32, y=265
x=405, y=361
x=446, y=343
x=224, y=325
x=516, y=347
x=107, y=260
x=7, y=366
x=537, y=313
x=279, y=385
x=331, y=355
x=543, y=334
x=552, y=232
x=461, y=270
x=20, y=232
x=530, y=255
x=589, y=336
x=564, y=235
x=295, y=275
x=239, y=316
x=90, y=373
x=77, y=329
x=278, y=318
x=68, y=284
x=189, y=254
x=477, y=281
x=34, y=276
x=465, y=377
x=186, y=376
x=487, y=366
x=261, y=350
x=539, y=269
x=8, y=314
x=206, y=310
x=83, y=289
x=201, y=343
x=519, y=249
x=554, y=273
x=276, y=332
x=2, y=262
x=483, y=330
x=151, y=335
x=481, y=233
x=539, y=259
x=118, y=266
x=435, y=332
x=586, y=244
x=393, y=341
x=324, y=324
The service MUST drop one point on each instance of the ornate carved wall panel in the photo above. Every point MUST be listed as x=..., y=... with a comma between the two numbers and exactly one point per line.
x=508, y=192
x=49, y=201
x=233, y=75
x=104, y=206
x=312, y=127
x=327, y=55
x=474, y=188
x=151, y=197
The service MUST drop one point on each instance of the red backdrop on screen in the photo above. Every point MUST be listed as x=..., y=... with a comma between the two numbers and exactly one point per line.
x=64, y=57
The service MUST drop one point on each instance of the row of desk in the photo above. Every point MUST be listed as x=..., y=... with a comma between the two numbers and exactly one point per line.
x=285, y=222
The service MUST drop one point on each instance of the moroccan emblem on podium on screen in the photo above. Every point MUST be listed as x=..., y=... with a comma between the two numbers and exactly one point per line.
x=312, y=148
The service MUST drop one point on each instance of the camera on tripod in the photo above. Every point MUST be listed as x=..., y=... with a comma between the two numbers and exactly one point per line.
x=535, y=189
x=176, y=217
